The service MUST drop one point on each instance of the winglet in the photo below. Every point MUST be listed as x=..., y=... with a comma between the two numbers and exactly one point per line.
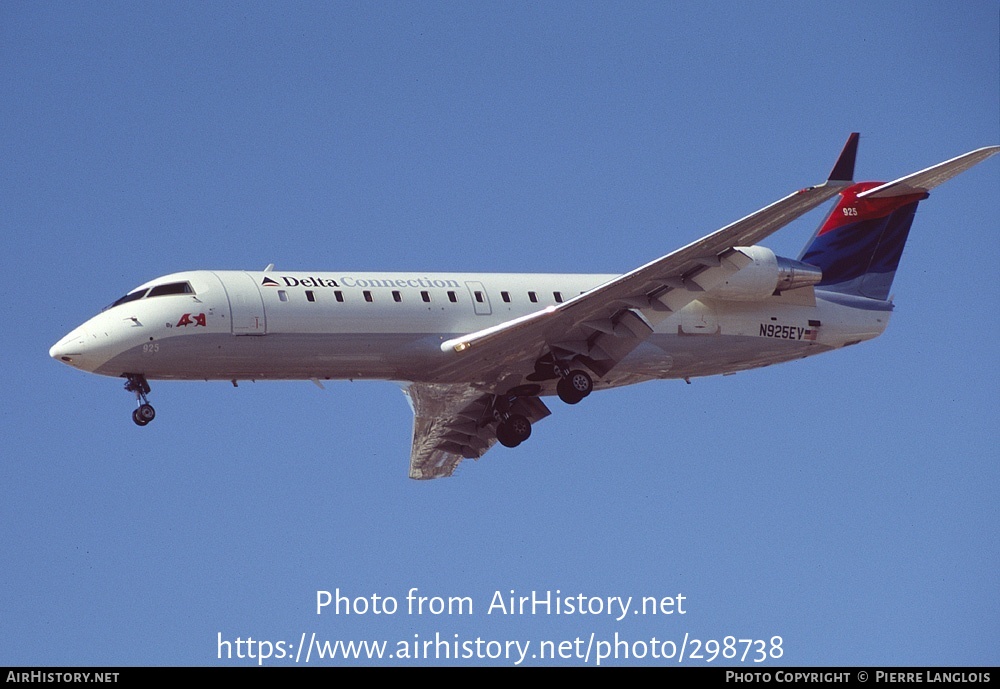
x=843, y=171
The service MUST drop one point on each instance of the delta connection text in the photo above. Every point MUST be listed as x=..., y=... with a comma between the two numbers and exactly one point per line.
x=351, y=281
x=501, y=603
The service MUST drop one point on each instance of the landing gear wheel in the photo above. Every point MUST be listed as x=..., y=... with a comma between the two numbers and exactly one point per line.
x=505, y=437
x=139, y=421
x=575, y=386
x=520, y=426
x=145, y=412
x=514, y=430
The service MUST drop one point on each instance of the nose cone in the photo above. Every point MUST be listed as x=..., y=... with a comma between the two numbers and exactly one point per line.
x=93, y=344
x=71, y=349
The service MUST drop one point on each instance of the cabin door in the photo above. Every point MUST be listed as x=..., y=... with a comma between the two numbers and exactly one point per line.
x=480, y=299
x=246, y=307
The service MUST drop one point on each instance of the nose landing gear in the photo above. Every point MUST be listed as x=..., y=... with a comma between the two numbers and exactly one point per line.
x=144, y=412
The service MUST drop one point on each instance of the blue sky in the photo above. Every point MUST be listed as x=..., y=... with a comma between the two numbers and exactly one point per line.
x=847, y=503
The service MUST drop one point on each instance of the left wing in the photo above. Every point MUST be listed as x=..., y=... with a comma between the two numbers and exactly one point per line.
x=656, y=289
x=455, y=422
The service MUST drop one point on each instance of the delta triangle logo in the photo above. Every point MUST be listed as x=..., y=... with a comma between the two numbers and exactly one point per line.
x=269, y=282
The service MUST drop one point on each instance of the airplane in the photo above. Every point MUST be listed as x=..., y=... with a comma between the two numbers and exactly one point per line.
x=476, y=353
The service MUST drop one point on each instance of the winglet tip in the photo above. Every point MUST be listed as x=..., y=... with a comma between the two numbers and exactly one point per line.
x=843, y=170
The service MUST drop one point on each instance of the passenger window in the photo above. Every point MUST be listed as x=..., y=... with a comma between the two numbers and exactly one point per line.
x=368, y=296
x=282, y=295
x=479, y=296
x=310, y=296
x=426, y=296
x=338, y=295
x=396, y=296
x=558, y=296
x=532, y=297
x=505, y=296
x=452, y=297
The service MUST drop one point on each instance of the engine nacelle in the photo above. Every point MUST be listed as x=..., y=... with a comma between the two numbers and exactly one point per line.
x=763, y=275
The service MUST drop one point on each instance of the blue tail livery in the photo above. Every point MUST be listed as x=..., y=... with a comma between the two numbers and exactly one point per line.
x=859, y=244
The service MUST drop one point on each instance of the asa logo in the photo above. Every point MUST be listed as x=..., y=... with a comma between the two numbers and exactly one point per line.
x=192, y=319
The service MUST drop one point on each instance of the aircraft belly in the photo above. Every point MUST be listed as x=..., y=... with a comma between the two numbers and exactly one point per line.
x=415, y=357
x=278, y=356
x=694, y=356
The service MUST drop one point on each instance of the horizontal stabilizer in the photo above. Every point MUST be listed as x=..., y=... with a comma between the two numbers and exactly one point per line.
x=925, y=180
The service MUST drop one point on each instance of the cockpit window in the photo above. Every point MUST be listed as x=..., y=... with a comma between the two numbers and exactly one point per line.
x=157, y=291
x=131, y=296
x=171, y=288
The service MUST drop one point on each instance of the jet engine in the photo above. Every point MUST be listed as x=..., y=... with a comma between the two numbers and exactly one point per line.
x=763, y=275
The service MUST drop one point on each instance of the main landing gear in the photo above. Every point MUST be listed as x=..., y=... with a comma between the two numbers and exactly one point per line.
x=573, y=386
x=513, y=430
x=513, y=413
x=144, y=412
x=513, y=427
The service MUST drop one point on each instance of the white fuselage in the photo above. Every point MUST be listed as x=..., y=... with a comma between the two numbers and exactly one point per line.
x=234, y=325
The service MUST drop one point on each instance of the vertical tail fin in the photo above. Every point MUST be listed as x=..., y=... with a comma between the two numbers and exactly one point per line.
x=859, y=244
